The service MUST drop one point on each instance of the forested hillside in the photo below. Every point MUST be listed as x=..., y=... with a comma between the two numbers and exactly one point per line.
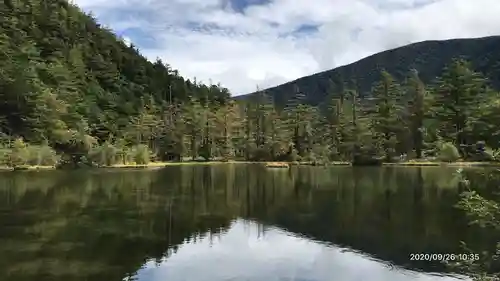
x=66, y=80
x=72, y=92
x=429, y=58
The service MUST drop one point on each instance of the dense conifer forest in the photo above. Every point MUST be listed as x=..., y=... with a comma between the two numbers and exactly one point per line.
x=73, y=92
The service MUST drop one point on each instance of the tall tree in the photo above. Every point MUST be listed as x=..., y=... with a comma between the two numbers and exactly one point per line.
x=458, y=93
x=386, y=118
x=418, y=109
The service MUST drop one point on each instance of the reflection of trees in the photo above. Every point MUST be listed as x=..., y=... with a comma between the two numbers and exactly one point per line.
x=103, y=225
x=94, y=226
x=386, y=212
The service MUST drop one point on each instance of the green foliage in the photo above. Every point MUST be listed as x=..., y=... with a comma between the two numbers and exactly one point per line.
x=67, y=80
x=42, y=155
x=417, y=113
x=484, y=213
x=97, y=101
x=5, y=152
x=448, y=152
x=493, y=154
x=105, y=154
x=122, y=152
x=20, y=153
x=458, y=94
x=141, y=154
x=293, y=155
x=205, y=151
x=386, y=118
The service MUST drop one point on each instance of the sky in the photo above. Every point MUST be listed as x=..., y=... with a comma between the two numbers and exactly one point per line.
x=277, y=255
x=245, y=44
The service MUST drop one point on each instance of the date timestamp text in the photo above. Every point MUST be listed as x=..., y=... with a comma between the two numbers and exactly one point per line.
x=443, y=257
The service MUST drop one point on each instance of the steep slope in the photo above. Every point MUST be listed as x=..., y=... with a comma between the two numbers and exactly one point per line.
x=428, y=57
x=61, y=71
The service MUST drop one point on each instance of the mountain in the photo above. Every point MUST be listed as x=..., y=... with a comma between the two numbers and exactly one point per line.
x=61, y=71
x=427, y=57
x=72, y=93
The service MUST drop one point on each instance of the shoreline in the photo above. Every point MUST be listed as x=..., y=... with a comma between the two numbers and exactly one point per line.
x=443, y=164
x=159, y=165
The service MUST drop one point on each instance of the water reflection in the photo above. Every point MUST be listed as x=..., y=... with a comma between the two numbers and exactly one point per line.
x=104, y=225
x=245, y=252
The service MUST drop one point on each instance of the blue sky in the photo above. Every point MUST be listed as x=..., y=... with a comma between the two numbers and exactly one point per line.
x=248, y=43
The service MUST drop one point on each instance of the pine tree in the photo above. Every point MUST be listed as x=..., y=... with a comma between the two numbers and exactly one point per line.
x=226, y=122
x=418, y=110
x=386, y=117
x=456, y=98
x=336, y=121
x=194, y=126
x=299, y=122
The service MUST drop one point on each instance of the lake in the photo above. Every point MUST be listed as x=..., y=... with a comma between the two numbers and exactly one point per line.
x=230, y=222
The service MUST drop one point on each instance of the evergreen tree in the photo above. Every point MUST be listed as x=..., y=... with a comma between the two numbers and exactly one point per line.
x=457, y=95
x=68, y=83
x=418, y=109
x=386, y=117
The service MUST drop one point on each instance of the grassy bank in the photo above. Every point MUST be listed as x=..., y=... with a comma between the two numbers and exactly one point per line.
x=26, y=168
x=449, y=164
x=159, y=165
x=153, y=165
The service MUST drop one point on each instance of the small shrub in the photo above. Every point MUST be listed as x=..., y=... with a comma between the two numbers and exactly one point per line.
x=123, y=155
x=42, y=155
x=5, y=152
x=488, y=154
x=261, y=154
x=206, y=152
x=109, y=154
x=141, y=154
x=19, y=154
x=84, y=162
x=448, y=152
x=34, y=158
x=105, y=155
x=293, y=155
x=311, y=158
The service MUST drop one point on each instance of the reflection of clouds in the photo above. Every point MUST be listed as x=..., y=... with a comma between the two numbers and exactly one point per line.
x=243, y=254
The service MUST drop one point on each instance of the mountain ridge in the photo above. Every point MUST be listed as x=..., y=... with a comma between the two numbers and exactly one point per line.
x=428, y=57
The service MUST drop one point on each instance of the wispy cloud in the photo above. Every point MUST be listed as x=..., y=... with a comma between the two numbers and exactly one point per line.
x=244, y=43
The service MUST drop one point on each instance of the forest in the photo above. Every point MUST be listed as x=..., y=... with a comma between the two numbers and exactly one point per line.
x=73, y=92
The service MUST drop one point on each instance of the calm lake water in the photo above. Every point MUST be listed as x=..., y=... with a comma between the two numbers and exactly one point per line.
x=229, y=222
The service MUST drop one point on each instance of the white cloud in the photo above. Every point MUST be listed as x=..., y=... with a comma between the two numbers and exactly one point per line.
x=277, y=255
x=127, y=40
x=209, y=40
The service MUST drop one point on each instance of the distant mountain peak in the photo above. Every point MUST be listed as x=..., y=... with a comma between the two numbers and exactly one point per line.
x=428, y=58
